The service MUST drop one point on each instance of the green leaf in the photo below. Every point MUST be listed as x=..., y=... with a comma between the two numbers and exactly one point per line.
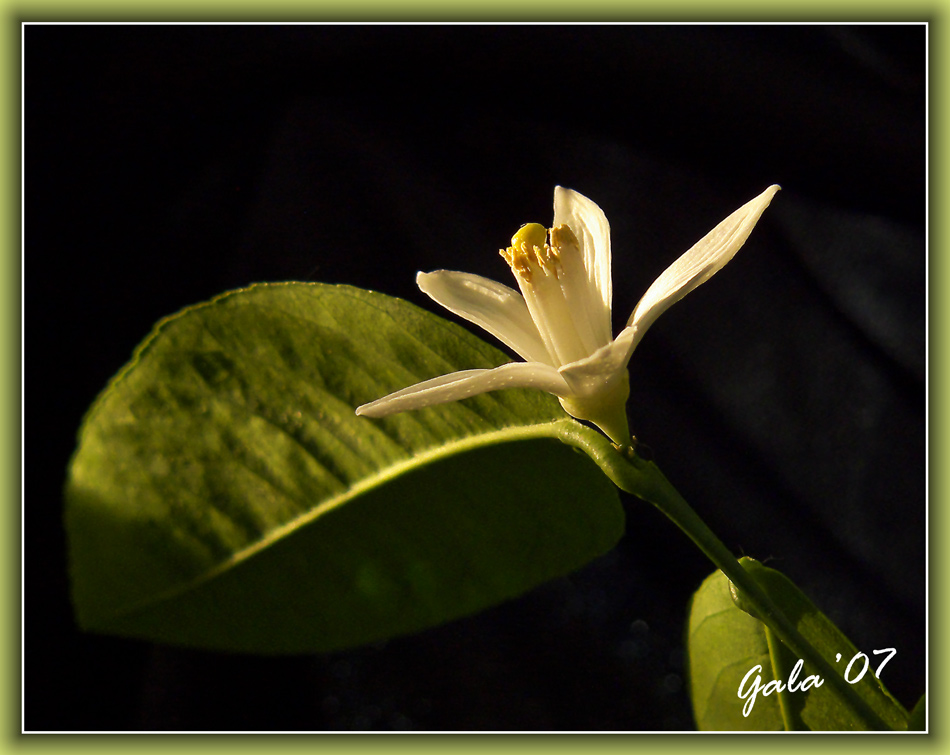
x=725, y=642
x=225, y=495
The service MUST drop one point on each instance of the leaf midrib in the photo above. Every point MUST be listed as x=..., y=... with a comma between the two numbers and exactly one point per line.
x=551, y=430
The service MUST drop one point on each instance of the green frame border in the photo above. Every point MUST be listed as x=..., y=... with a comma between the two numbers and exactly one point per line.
x=672, y=11
x=476, y=10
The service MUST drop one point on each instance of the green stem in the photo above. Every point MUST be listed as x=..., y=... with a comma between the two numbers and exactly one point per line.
x=644, y=479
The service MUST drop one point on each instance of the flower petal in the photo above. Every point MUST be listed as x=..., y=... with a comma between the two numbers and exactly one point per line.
x=496, y=308
x=605, y=366
x=458, y=385
x=592, y=230
x=707, y=257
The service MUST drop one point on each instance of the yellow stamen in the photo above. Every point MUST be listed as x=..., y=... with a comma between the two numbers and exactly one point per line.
x=562, y=236
x=528, y=248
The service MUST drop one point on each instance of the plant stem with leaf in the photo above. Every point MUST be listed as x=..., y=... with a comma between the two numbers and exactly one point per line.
x=643, y=479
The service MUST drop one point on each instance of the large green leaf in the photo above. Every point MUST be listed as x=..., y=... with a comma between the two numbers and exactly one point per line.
x=725, y=642
x=225, y=495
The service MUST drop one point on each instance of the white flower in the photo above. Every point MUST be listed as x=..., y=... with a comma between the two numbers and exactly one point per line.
x=560, y=323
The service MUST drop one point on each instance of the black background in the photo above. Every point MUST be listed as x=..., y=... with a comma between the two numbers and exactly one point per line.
x=785, y=399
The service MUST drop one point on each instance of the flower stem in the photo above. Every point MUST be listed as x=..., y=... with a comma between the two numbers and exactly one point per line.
x=644, y=480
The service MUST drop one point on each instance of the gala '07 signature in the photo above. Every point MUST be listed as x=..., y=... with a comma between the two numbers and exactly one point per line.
x=748, y=691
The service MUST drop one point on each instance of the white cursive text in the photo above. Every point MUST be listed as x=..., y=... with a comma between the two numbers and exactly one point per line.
x=775, y=685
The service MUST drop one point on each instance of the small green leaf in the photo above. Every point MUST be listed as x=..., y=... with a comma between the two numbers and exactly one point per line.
x=725, y=642
x=225, y=495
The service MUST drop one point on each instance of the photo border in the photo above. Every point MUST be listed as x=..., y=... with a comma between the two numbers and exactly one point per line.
x=12, y=332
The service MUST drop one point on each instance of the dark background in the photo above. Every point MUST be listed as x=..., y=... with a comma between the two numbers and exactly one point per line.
x=785, y=399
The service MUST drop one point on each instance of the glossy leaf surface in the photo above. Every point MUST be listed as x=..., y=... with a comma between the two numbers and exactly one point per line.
x=225, y=495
